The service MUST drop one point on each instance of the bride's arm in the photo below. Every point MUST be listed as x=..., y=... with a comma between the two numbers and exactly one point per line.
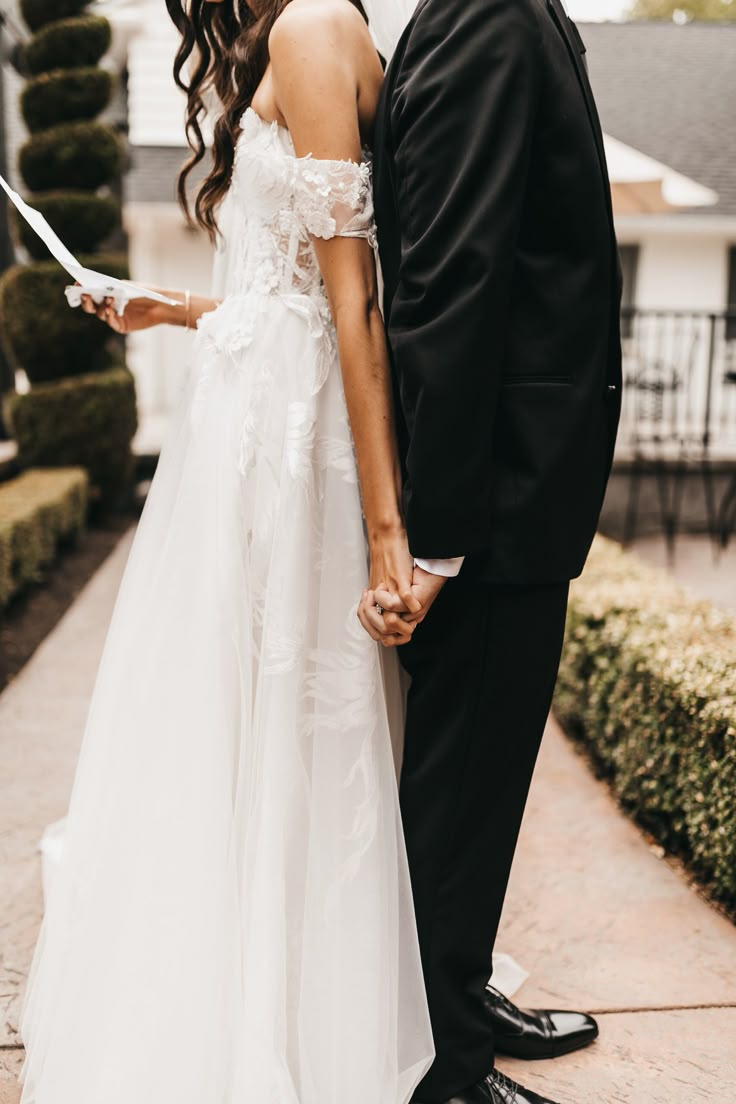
x=319, y=66
x=142, y=314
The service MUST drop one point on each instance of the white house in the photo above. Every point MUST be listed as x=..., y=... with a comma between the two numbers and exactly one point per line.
x=665, y=91
x=669, y=90
x=667, y=99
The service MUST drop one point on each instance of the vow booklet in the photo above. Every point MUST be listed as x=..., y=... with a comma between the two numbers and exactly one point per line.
x=92, y=283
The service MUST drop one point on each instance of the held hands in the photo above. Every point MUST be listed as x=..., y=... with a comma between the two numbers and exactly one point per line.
x=400, y=595
x=424, y=589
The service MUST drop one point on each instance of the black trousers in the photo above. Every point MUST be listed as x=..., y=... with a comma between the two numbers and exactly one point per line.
x=483, y=667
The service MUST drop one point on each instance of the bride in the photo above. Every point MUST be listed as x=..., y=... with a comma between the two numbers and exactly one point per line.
x=232, y=920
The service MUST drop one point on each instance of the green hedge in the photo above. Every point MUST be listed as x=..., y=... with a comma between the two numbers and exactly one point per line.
x=648, y=684
x=49, y=342
x=71, y=155
x=37, y=13
x=38, y=510
x=86, y=420
x=81, y=220
x=65, y=95
x=68, y=44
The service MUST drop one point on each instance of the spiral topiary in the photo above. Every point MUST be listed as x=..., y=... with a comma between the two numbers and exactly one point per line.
x=65, y=95
x=68, y=44
x=48, y=342
x=39, y=12
x=50, y=425
x=68, y=157
x=81, y=219
x=73, y=155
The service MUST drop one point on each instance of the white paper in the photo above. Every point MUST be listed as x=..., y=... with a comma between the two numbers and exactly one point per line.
x=93, y=283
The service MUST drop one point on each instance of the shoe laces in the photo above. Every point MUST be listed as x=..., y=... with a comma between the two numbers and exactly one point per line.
x=498, y=1080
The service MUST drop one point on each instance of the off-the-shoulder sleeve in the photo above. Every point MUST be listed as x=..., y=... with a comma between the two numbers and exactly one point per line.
x=335, y=198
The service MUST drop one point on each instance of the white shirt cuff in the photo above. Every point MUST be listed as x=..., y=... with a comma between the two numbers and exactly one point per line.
x=449, y=569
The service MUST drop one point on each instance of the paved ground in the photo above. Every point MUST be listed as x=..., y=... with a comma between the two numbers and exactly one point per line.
x=602, y=923
x=596, y=917
x=709, y=573
x=42, y=716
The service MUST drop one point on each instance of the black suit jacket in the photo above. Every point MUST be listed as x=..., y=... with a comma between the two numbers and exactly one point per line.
x=502, y=286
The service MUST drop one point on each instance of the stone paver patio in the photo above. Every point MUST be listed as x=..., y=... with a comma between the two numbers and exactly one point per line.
x=597, y=918
x=706, y=571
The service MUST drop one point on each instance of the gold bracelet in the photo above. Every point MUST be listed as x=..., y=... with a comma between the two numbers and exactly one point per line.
x=188, y=304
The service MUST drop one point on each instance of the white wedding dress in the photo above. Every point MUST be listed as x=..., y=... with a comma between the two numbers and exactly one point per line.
x=231, y=922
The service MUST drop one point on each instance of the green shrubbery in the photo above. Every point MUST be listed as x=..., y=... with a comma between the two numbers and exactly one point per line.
x=51, y=425
x=51, y=343
x=38, y=510
x=648, y=683
x=72, y=155
x=65, y=94
x=81, y=220
x=39, y=12
x=70, y=416
x=68, y=44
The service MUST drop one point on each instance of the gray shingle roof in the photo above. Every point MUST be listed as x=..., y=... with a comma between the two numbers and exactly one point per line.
x=666, y=90
x=670, y=91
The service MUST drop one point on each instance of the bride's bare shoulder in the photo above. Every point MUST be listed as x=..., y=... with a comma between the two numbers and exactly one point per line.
x=326, y=76
x=314, y=26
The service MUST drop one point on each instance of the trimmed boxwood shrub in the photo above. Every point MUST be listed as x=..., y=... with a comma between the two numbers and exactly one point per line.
x=87, y=420
x=68, y=44
x=64, y=95
x=648, y=684
x=81, y=220
x=39, y=12
x=72, y=155
x=38, y=510
x=43, y=335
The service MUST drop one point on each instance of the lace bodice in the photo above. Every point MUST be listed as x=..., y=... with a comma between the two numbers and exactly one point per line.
x=278, y=202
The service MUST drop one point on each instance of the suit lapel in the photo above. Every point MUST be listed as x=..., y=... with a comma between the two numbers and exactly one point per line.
x=382, y=141
x=392, y=70
x=576, y=50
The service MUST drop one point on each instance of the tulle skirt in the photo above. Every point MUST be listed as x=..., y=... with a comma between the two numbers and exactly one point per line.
x=232, y=919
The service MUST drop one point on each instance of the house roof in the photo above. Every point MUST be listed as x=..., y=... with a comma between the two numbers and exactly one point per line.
x=670, y=91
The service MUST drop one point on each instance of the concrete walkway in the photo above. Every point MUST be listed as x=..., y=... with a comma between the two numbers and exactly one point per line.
x=707, y=572
x=597, y=918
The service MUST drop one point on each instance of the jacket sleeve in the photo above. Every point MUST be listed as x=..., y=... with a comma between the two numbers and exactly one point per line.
x=462, y=115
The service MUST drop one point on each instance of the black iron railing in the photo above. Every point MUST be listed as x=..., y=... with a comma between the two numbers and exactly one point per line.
x=679, y=410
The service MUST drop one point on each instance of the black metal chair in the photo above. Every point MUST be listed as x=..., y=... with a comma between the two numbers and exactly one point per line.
x=727, y=508
x=665, y=422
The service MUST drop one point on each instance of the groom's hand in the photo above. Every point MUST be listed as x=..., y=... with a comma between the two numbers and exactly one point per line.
x=425, y=588
x=386, y=627
x=391, y=571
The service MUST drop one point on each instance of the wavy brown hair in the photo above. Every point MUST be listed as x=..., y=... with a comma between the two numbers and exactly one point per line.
x=226, y=45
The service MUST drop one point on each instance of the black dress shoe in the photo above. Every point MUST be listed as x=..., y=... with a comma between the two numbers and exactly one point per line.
x=498, y=1089
x=534, y=1033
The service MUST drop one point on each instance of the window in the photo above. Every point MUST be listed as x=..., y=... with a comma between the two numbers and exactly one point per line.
x=731, y=301
x=629, y=267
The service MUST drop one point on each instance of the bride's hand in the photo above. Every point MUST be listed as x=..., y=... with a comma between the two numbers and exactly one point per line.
x=391, y=570
x=139, y=314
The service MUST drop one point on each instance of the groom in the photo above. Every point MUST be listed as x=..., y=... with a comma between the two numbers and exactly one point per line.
x=502, y=294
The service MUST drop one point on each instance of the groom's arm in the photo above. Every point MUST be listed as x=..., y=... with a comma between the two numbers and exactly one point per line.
x=461, y=126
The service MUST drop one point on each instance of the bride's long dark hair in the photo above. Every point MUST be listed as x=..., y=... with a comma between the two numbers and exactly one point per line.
x=228, y=47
